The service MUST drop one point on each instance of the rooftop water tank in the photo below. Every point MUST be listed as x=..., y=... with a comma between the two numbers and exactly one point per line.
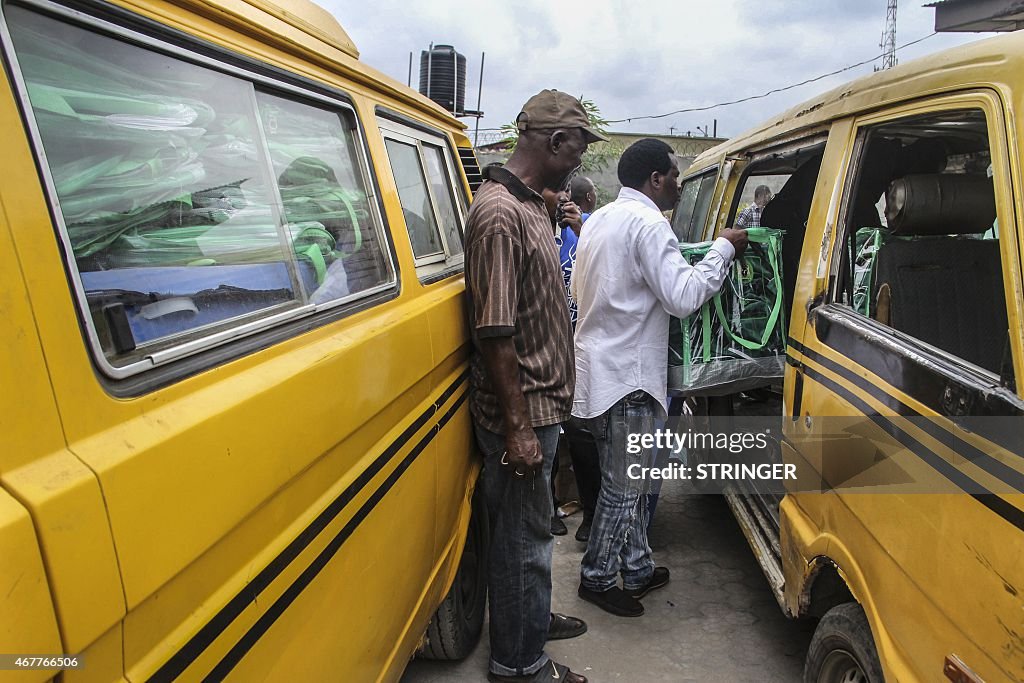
x=443, y=77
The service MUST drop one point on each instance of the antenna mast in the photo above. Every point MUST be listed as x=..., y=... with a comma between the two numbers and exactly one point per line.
x=888, y=42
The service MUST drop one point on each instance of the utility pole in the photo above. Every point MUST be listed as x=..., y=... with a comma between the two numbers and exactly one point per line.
x=888, y=42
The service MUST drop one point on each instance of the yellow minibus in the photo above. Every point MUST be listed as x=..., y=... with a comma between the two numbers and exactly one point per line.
x=235, y=438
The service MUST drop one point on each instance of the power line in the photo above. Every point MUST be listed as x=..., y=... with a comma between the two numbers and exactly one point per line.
x=770, y=92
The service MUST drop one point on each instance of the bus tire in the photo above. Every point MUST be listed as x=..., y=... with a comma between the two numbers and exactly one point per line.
x=455, y=628
x=842, y=649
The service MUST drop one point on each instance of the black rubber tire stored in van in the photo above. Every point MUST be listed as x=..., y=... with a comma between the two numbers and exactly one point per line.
x=842, y=649
x=455, y=628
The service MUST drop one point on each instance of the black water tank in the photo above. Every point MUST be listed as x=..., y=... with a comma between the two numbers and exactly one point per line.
x=447, y=80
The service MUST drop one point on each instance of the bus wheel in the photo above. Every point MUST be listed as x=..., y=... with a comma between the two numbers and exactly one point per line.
x=455, y=628
x=842, y=649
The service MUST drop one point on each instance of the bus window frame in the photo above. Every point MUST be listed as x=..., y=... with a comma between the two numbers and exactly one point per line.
x=432, y=266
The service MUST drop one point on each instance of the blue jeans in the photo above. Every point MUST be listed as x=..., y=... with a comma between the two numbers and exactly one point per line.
x=519, y=564
x=618, y=538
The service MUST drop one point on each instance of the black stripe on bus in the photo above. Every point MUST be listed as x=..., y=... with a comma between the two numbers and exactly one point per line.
x=293, y=591
x=975, y=455
x=1008, y=512
x=983, y=460
x=196, y=645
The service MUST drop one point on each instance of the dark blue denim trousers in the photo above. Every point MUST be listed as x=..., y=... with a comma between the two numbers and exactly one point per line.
x=618, y=538
x=519, y=564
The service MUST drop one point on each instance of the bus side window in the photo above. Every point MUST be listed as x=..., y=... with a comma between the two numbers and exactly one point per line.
x=434, y=211
x=777, y=193
x=196, y=205
x=692, y=213
x=927, y=265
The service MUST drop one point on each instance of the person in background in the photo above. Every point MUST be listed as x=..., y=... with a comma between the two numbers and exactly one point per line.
x=750, y=217
x=521, y=379
x=629, y=278
x=583, y=194
x=579, y=442
x=566, y=222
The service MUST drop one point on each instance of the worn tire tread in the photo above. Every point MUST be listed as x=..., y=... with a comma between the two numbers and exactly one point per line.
x=843, y=625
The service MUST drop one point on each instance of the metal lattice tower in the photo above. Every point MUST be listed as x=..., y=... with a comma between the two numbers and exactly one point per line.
x=888, y=42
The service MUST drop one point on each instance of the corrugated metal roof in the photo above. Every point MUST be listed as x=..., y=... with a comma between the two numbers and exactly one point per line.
x=978, y=15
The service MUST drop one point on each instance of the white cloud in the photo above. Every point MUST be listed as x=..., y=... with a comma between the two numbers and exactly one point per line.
x=634, y=59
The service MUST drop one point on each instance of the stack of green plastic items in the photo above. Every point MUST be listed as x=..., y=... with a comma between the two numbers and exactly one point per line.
x=737, y=340
x=867, y=242
x=150, y=176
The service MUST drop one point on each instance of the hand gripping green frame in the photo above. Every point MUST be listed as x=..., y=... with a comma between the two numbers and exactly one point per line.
x=771, y=240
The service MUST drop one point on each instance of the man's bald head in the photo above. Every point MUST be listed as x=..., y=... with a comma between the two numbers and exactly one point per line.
x=583, y=194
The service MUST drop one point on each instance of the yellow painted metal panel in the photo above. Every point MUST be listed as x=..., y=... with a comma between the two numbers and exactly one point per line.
x=171, y=616
x=103, y=661
x=28, y=416
x=345, y=622
x=60, y=493
x=67, y=507
x=182, y=467
x=27, y=622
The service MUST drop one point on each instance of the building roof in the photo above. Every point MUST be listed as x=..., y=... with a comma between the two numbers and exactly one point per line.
x=978, y=15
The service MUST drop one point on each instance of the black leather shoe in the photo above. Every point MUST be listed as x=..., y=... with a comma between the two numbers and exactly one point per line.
x=583, y=533
x=562, y=627
x=658, y=579
x=614, y=600
x=558, y=526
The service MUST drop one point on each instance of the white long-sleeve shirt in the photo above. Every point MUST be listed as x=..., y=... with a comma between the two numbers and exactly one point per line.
x=629, y=279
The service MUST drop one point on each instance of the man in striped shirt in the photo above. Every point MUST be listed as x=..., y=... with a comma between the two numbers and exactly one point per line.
x=522, y=377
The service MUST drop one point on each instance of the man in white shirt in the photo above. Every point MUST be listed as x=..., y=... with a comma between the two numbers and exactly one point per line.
x=629, y=279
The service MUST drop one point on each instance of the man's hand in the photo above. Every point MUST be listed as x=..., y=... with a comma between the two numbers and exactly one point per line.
x=736, y=237
x=572, y=217
x=523, y=450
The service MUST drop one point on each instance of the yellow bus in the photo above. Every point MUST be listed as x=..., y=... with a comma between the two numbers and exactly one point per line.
x=235, y=439
x=901, y=196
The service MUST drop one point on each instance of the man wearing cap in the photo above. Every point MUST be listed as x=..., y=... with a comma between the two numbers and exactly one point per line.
x=522, y=376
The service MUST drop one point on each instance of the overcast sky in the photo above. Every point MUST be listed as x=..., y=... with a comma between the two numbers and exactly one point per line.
x=634, y=62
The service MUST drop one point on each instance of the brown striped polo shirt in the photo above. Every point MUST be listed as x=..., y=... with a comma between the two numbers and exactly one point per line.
x=514, y=289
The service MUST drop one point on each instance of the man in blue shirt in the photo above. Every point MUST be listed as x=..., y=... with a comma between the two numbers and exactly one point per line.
x=582, y=200
x=573, y=211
